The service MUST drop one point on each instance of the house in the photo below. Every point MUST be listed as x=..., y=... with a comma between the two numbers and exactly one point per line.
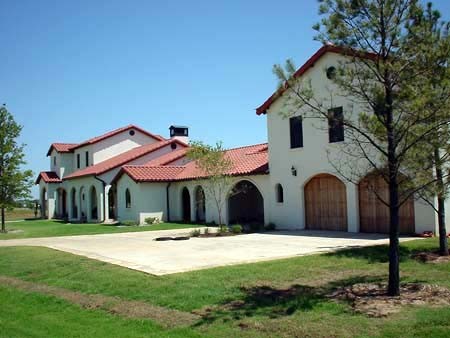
x=131, y=174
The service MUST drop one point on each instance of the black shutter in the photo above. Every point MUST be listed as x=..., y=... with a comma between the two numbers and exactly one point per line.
x=78, y=161
x=296, y=130
x=87, y=159
x=336, y=125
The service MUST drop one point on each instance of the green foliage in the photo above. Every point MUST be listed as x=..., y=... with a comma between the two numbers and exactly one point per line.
x=196, y=233
x=152, y=220
x=206, y=231
x=236, y=228
x=15, y=183
x=129, y=222
x=215, y=166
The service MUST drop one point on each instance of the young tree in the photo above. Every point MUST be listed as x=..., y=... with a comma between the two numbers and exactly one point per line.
x=14, y=182
x=436, y=149
x=211, y=160
x=379, y=79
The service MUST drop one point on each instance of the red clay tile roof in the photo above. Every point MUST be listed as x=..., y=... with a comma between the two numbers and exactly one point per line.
x=151, y=174
x=167, y=159
x=308, y=64
x=122, y=159
x=48, y=177
x=61, y=147
x=115, y=132
x=249, y=160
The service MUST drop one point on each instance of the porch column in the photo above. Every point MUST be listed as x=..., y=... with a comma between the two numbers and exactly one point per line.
x=106, y=206
x=352, y=207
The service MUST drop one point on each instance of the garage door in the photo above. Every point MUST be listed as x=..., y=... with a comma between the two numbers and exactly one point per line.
x=374, y=215
x=326, y=203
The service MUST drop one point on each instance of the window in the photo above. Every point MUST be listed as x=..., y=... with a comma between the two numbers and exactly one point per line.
x=78, y=161
x=279, y=193
x=87, y=158
x=296, y=129
x=336, y=124
x=127, y=199
x=132, y=132
x=54, y=160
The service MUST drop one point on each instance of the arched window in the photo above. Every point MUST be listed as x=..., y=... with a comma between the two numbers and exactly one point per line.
x=279, y=193
x=127, y=199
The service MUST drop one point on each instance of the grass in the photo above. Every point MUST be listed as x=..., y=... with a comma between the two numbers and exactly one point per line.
x=279, y=298
x=51, y=228
x=19, y=214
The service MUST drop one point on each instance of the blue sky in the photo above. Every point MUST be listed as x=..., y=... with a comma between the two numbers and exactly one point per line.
x=71, y=70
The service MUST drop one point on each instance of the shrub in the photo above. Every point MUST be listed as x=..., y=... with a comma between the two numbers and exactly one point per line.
x=129, y=222
x=195, y=233
x=236, y=229
x=223, y=229
x=152, y=220
x=206, y=231
x=270, y=227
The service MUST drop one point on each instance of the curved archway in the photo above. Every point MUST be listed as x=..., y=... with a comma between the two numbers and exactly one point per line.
x=73, y=199
x=374, y=214
x=44, y=197
x=83, y=202
x=325, y=203
x=279, y=193
x=94, y=205
x=200, y=205
x=245, y=204
x=127, y=198
x=186, y=204
x=62, y=203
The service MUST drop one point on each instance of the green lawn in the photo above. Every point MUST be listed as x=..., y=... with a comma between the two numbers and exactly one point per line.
x=303, y=312
x=51, y=228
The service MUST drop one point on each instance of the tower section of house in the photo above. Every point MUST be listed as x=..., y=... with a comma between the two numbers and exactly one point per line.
x=304, y=153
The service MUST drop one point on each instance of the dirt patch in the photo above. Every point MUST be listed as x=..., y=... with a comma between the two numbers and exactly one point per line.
x=431, y=257
x=167, y=318
x=372, y=299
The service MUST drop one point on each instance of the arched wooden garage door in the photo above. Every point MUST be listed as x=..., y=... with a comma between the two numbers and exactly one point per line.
x=374, y=215
x=326, y=203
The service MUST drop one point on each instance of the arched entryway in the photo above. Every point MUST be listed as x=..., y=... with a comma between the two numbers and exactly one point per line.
x=200, y=207
x=245, y=204
x=94, y=204
x=83, y=206
x=112, y=198
x=374, y=214
x=186, y=204
x=325, y=203
x=44, y=212
x=73, y=199
x=62, y=203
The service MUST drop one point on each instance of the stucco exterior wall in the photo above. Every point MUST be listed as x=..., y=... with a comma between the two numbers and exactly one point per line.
x=118, y=144
x=64, y=163
x=316, y=156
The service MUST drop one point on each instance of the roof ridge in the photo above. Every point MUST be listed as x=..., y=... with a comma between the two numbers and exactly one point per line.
x=251, y=145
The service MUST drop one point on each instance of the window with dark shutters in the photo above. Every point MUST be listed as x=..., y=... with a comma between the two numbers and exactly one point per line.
x=78, y=161
x=296, y=130
x=336, y=124
x=87, y=159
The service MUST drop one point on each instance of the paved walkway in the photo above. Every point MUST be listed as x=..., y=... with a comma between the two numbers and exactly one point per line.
x=139, y=251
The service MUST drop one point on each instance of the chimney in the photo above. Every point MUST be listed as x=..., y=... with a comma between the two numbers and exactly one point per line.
x=180, y=133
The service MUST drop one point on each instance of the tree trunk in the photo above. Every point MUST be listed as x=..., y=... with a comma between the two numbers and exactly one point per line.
x=394, y=249
x=3, y=220
x=443, y=243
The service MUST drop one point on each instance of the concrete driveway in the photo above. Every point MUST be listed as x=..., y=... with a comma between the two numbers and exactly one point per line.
x=139, y=251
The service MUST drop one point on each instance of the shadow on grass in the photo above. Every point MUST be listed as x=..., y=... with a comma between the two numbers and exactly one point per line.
x=373, y=254
x=271, y=302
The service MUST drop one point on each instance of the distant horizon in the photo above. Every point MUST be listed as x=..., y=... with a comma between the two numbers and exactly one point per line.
x=75, y=70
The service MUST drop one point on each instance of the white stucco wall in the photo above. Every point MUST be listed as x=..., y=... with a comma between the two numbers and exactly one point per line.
x=64, y=163
x=118, y=144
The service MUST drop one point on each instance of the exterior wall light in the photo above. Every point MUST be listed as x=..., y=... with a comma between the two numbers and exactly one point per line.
x=294, y=171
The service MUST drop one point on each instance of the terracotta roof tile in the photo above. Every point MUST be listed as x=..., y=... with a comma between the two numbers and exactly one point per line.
x=48, y=177
x=249, y=160
x=167, y=159
x=61, y=147
x=121, y=159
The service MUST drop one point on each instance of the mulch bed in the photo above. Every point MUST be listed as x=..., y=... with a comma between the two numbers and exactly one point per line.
x=431, y=257
x=372, y=300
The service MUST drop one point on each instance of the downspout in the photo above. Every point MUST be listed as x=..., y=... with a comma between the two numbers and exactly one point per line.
x=167, y=201
x=104, y=197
